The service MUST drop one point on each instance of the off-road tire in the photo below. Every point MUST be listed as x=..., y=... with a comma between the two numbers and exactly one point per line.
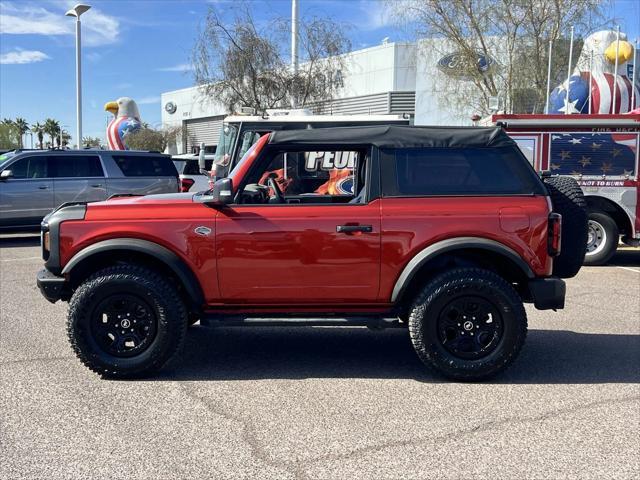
x=157, y=292
x=431, y=301
x=568, y=200
x=609, y=244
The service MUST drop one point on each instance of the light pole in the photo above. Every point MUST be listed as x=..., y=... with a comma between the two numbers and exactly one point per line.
x=76, y=12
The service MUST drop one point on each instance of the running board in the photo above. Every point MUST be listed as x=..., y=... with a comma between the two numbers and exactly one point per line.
x=242, y=321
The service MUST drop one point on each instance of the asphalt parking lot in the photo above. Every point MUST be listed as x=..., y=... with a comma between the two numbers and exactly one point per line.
x=324, y=403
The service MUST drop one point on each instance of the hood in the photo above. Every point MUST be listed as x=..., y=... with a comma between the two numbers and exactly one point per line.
x=166, y=205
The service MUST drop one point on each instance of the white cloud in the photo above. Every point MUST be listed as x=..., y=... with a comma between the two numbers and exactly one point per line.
x=19, y=57
x=93, y=57
x=376, y=15
x=183, y=67
x=148, y=100
x=29, y=19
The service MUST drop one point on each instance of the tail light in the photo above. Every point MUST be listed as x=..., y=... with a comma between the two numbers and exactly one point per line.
x=554, y=240
x=186, y=184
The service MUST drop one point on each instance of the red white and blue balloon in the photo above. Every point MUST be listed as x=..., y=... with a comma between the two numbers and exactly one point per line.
x=126, y=121
x=595, y=73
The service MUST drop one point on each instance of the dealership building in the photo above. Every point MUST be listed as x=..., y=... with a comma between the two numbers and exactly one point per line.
x=391, y=78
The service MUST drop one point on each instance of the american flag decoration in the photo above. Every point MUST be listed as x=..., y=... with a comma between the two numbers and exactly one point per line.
x=118, y=129
x=593, y=154
x=601, y=94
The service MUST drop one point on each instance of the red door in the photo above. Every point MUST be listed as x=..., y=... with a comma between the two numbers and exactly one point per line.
x=287, y=254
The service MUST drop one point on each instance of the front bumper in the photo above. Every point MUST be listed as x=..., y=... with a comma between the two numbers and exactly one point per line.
x=547, y=293
x=52, y=287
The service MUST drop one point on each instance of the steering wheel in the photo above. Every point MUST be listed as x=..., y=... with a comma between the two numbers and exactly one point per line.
x=276, y=190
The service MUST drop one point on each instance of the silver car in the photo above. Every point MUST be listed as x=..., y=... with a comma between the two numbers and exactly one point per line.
x=34, y=182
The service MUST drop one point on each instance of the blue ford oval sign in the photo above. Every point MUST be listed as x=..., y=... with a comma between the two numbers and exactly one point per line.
x=458, y=64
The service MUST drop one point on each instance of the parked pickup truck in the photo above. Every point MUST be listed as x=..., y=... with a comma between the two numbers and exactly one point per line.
x=442, y=231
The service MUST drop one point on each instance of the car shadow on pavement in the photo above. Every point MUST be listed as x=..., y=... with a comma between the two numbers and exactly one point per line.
x=626, y=258
x=13, y=241
x=549, y=356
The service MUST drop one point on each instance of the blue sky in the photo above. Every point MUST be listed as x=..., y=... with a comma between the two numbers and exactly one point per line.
x=140, y=48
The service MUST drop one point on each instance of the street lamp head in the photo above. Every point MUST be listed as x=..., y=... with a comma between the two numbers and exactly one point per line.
x=78, y=10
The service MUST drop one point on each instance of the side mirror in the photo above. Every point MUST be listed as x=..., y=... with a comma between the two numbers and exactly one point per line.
x=5, y=174
x=221, y=193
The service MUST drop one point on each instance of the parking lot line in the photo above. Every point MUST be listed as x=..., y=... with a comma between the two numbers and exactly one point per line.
x=630, y=269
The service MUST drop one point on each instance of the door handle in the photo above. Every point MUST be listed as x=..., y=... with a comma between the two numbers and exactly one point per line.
x=43, y=187
x=354, y=228
x=96, y=185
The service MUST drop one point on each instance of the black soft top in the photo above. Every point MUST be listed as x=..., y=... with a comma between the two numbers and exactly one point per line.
x=397, y=136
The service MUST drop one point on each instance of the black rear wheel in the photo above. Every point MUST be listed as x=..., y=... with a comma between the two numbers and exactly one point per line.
x=467, y=324
x=126, y=321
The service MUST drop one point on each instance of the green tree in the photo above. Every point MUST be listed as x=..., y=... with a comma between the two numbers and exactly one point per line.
x=38, y=129
x=151, y=139
x=91, y=142
x=23, y=127
x=9, y=137
x=52, y=128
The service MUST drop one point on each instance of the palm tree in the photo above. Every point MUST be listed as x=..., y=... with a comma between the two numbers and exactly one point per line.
x=23, y=127
x=38, y=129
x=51, y=128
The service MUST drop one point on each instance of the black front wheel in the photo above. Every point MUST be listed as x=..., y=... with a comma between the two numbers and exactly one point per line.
x=468, y=324
x=126, y=321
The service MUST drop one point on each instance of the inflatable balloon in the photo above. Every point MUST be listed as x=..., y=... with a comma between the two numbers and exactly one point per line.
x=126, y=120
x=595, y=71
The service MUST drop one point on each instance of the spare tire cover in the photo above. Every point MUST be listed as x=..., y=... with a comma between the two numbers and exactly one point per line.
x=568, y=200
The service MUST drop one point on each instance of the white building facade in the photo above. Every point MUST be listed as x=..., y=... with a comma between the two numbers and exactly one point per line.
x=391, y=78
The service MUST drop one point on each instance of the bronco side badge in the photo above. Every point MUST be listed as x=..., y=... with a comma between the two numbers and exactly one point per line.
x=204, y=231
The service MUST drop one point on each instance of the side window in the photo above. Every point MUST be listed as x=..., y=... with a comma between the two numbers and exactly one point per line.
x=76, y=166
x=457, y=171
x=30, y=167
x=528, y=146
x=335, y=176
x=191, y=167
x=145, y=166
x=249, y=138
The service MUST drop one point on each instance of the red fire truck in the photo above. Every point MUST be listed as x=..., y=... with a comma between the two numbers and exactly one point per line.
x=601, y=153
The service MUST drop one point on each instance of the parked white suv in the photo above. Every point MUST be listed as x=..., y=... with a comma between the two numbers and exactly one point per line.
x=192, y=179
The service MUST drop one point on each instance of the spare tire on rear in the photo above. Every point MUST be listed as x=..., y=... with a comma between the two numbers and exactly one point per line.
x=568, y=200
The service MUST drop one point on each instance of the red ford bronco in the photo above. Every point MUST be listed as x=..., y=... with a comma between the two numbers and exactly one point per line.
x=443, y=231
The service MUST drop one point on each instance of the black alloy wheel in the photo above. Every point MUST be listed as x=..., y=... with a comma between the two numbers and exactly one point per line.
x=123, y=325
x=470, y=327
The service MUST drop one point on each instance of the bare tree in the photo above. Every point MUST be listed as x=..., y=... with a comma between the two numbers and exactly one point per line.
x=512, y=35
x=244, y=63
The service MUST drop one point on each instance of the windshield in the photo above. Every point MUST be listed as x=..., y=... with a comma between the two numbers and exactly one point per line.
x=242, y=161
x=225, y=144
x=5, y=157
